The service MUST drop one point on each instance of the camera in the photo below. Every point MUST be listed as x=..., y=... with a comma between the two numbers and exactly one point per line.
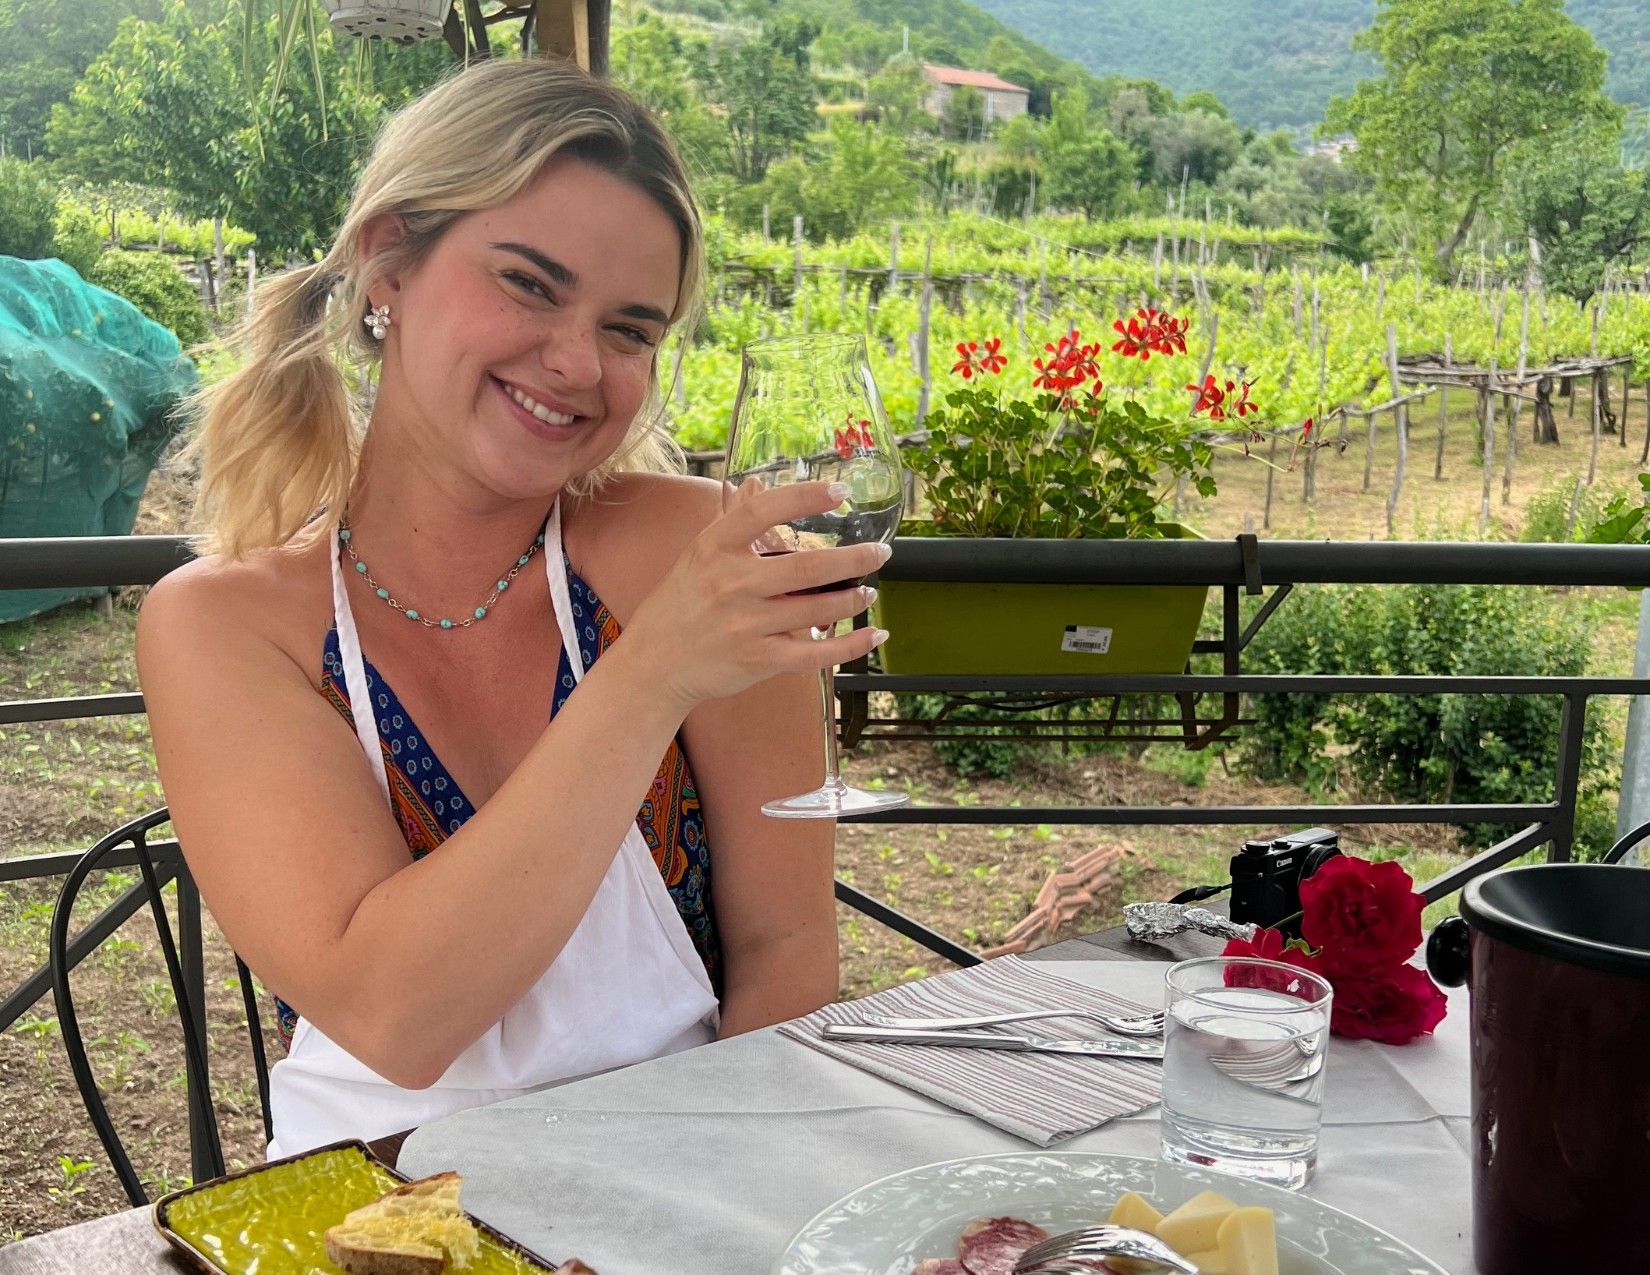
x=1267, y=876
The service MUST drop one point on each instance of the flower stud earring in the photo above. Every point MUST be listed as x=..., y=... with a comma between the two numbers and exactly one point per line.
x=378, y=321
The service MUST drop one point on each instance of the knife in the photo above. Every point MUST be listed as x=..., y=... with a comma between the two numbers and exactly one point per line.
x=1145, y=1049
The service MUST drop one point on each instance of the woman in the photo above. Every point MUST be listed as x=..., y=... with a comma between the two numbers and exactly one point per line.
x=460, y=880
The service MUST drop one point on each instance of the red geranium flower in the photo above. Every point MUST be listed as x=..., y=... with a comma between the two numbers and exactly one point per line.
x=991, y=361
x=1211, y=399
x=1241, y=405
x=1150, y=331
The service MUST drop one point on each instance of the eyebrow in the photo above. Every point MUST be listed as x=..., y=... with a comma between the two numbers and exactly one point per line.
x=563, y=277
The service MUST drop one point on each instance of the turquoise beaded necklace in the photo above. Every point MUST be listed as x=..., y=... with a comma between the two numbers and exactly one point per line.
x=480, y=613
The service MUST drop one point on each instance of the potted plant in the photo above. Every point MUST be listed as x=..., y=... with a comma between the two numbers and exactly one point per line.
x=402, y=21
x=1058, y=459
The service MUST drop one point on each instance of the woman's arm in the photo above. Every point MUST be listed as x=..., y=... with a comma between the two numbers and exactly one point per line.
x=771, y=878
x=300, y=860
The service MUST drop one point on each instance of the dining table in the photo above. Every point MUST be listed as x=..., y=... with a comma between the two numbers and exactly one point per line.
x=709, y=1162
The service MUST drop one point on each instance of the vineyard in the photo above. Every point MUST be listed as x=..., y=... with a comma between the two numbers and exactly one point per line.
x=1267, y=307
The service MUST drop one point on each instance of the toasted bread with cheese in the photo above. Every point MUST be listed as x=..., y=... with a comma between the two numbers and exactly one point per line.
x=416, y=1229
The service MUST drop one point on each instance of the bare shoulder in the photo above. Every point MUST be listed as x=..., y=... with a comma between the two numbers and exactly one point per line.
x=265, y=607
x=677, y=506
x=624, y=538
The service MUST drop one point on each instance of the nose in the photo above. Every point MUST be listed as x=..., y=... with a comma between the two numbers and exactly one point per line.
x=571, y=352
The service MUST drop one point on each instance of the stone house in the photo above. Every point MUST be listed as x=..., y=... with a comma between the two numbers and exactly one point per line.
x=1003, y=101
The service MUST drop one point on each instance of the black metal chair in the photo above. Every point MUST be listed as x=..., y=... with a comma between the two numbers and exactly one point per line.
x=126, y=845
x=1618, y=852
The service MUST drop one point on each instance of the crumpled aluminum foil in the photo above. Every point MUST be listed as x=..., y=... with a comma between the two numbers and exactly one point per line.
x=1148, y=922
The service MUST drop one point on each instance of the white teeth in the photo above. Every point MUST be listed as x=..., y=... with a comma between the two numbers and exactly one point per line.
x=539, y=409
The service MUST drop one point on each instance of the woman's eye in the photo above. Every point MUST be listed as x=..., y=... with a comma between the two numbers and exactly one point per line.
x=638, y=335
x=527, y=283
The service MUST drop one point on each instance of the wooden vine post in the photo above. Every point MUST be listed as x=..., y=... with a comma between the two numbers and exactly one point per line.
x=925, y=311
x=1443, y=411
x=1400, y=420
x=1487, y=426
x=1516, y=400
x=1598, y=418
x=1626, y=398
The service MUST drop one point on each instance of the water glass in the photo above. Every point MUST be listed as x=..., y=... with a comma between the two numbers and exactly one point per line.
x=1244, y=1048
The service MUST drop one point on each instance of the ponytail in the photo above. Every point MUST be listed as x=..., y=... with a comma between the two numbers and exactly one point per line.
x=276, y=440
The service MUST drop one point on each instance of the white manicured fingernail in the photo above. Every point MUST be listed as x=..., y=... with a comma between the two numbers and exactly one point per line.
x=869, y=594
x=839, y=492
x=887, y=551
x=878, y=638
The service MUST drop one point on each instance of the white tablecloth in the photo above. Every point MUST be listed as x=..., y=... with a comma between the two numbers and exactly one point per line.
x=707, y=1163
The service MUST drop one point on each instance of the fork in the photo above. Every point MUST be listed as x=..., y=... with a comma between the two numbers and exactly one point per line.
x=1069, y=1253
x=1138, y=1025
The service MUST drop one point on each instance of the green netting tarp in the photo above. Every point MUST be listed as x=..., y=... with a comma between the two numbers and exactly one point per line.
x=88, y=392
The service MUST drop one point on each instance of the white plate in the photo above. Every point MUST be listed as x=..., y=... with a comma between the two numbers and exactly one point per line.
x=887, y=1227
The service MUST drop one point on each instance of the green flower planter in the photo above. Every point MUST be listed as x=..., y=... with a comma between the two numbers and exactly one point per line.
x=940, y=627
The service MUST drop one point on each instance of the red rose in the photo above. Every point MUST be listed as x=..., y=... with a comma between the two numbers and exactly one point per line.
x=1268, y=945
x=1365, y=917
x=1393, y=1008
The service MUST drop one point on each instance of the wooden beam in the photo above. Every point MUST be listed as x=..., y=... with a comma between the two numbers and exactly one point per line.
x=574, y=29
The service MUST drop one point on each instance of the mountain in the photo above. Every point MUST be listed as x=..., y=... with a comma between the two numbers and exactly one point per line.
x=1275, y=63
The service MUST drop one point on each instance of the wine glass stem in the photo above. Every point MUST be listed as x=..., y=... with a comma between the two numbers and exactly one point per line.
x=827, y=699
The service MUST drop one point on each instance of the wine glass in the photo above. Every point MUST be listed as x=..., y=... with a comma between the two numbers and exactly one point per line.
x=808, y=411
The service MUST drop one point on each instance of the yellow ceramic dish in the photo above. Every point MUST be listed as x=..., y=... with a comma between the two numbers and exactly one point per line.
x=272, y=1219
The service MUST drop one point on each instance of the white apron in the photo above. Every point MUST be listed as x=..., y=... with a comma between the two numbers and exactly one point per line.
x=627, y=986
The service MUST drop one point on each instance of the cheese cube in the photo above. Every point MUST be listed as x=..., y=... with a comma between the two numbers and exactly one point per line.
x=1195, y=1226
x=1248, y=1242
x=1133, y=1210
x=1209, y=1262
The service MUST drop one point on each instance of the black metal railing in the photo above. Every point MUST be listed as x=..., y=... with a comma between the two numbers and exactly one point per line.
x=1241, y=567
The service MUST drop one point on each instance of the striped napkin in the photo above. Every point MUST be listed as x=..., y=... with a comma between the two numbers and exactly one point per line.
x=1043, y=1098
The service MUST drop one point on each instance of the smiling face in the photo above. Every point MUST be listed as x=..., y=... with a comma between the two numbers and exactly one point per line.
x=523, y=346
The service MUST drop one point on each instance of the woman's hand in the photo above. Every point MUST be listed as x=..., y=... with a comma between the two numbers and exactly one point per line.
x=724, y=617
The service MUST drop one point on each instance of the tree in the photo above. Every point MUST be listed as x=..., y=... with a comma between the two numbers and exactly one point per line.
x=965, y=114
x=1465, y=83
x=863, y=175
x=1205, y=101
x=1193, y=144
x=164, y=106
x=1085, y=167
x=899, y=93
x=45, y=46
x=764, y=86
x=28, y=204
x=652, y=59
x=1581, y=207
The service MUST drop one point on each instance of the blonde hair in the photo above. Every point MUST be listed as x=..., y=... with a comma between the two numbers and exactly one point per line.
x=277, y=441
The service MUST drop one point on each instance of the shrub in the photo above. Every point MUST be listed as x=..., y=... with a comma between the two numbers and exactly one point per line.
x=1547, y=520
x=28, y=202
x=1436, y=748
x=154, y=285
x=77, y=237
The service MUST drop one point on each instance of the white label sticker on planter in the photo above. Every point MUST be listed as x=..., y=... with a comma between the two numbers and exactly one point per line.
x=1086, y=639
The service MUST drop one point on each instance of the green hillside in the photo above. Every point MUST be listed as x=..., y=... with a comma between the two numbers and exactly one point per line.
x=1275, y=62
x=863, y=34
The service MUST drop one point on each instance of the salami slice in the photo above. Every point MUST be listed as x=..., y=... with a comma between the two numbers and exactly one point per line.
x=991, y=1245
x=940, y=1266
